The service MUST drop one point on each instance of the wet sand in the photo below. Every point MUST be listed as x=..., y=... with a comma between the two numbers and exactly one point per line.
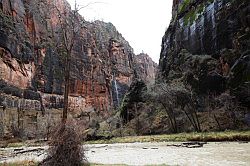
x=226, y=153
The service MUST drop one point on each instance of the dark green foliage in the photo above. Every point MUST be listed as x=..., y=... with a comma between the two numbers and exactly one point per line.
x=29, y=94
x=191, y=14
x=200, y=9
x=15, y=91
x=240, y=72
x=242, y=92
x=2, y=84
x=190, y=17
x=6, y=21
x=239, y=80
x=134, y=95
x=184, y=5
x=135, y=92
x=12, y=90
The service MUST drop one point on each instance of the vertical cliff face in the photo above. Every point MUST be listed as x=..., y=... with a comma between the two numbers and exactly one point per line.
x=146, y=68
x=207, y=27
x=117, y=56
x=209, y=39
x=32, y=64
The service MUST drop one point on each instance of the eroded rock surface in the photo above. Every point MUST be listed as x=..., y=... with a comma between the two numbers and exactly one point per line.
x=103, y=64
x=215, y=35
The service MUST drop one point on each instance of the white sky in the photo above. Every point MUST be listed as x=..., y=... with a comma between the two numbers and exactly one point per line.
x=141, y=22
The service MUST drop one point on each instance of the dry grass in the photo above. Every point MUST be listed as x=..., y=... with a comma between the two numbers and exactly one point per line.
x=205, y=136
x=31, y=163
x=23, y=163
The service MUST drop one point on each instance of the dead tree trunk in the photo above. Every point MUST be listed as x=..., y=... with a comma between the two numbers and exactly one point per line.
x=66, y=90
x=172, y=118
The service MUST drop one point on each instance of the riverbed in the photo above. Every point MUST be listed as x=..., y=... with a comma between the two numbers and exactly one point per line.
x=207, y=154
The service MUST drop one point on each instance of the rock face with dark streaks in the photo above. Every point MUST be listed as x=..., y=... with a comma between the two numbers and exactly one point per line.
x=207, y=46
x=32, y=66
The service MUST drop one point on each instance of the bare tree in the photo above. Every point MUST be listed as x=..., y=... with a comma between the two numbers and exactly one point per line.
x=165, y=99
x=69, y=29
x=70, y=26
x=173, y=99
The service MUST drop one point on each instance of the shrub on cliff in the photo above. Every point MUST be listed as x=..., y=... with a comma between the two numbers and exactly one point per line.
x=29, y=94
x=133, y=96
x=12, y=90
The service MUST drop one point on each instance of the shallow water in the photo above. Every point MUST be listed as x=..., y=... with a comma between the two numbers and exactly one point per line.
x=227, y=153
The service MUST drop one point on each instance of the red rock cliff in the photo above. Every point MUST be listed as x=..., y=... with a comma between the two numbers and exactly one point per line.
x=102, y=65
x=146, y=68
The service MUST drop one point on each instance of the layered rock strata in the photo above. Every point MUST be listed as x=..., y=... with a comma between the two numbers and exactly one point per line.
x=32, y=66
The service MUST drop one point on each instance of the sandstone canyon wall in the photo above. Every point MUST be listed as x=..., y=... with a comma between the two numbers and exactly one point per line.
x=146, y=68
x=32, y=66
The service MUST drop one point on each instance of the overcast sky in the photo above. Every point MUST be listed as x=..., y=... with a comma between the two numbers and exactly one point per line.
x=141, y=22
